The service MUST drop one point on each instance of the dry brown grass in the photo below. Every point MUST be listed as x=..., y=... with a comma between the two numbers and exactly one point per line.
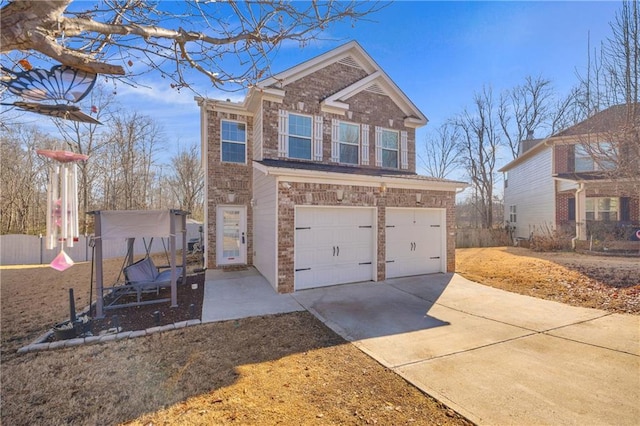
x=284, y=369
x=608, y=283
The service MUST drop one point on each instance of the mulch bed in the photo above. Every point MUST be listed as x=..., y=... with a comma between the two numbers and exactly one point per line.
x=132, y=318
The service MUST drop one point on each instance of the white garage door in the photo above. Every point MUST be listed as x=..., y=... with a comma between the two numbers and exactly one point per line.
x=334, y=245
x=415, y=242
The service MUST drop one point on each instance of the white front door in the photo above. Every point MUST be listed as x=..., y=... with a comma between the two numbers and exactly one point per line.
x=415, y=241
x=231, y=235
x=334, y=245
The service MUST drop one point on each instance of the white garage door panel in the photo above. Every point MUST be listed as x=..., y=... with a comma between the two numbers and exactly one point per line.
x=414, y=242
x=333, y=246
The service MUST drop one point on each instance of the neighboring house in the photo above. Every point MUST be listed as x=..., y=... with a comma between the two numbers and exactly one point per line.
x=563, y=183
x=311, y=179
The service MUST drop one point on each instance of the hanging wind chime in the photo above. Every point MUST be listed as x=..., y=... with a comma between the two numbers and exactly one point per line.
x=60, y=85
x=62, y=204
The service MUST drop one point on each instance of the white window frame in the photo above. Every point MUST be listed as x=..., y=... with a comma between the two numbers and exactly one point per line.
x=583, y=156
x=594, y=212
x=310, y=137
x=383, y=149
x=223, y=141
x=512, y=214
x=344, y=142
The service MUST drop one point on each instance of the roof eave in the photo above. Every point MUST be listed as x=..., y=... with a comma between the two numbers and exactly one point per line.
x=389, y=181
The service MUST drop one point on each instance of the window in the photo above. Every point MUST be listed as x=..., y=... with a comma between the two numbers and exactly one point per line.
x=299, y=137
x=512, y=214
x=601, y=157
x=234, y=142
x=389, y=149
x=602, y=208
x=349, y=139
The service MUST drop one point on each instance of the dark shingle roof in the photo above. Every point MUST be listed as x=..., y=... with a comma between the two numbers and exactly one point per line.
x=352, y=170
x=611, y=119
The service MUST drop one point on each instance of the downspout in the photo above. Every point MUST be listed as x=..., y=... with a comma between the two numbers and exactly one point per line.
x=578, y=206
x=204, y=143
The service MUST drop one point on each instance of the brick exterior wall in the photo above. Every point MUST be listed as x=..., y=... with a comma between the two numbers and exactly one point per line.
x=564, y=159
x=354, y=196
x=227, y=178
x=367, y=107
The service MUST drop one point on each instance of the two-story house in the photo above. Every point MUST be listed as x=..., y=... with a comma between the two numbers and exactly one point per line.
x=311, y=179
x=569, y=181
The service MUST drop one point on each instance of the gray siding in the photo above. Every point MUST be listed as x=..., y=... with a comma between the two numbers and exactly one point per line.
x=265, y=226
x=532, y=190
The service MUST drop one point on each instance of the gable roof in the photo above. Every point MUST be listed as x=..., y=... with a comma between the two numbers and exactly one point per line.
x=608, y=120
x=611, y=119
x=350, y=54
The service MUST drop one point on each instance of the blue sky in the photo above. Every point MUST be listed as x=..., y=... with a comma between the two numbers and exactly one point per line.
x=438, y=53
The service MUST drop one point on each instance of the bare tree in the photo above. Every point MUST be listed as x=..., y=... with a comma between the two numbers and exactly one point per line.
x=88, y=139
x=611, y=83
x=532, y=110
x=114, y=36
x=127, y=161
x=479, y=143
x=187, y=182
x=441, y=150
x=23, y=179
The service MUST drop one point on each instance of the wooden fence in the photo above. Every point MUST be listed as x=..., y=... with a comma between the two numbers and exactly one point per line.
x=31, y=250
x=477, y=237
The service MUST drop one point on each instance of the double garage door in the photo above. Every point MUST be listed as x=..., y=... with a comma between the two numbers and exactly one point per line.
x=337, y=245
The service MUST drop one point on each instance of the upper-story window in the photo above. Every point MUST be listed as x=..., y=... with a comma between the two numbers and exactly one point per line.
x=600, y=157
x=389, y=149
x=234, y=141
x=300, y=136
x=349, y=139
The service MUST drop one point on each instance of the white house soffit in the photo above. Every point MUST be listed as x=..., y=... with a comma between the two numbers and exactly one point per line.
x=351, y=52
x=230, y=107
x=333, y=178
x=527, y=155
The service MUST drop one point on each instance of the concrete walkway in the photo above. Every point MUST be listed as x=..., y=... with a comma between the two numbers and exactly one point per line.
x=493, y=356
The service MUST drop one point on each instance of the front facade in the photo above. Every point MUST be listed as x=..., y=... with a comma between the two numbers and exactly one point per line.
x=568, y=182
x=311, y=179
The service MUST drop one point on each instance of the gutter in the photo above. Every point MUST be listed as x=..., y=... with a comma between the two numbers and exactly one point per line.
x=578, y=214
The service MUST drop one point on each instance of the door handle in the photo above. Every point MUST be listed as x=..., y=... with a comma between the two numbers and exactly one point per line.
x=338, y=250
x=334, y=251
x=243, y=238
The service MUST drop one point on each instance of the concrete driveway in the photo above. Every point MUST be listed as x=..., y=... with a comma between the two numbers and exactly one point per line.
x=493, y=356
x=496, y=357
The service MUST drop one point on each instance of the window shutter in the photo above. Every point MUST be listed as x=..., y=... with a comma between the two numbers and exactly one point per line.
x=317, y=138
x=625, y=211
x=364, y=129
x=571, y=209
x=283, y=130
x=404, y=150
x=378, y=146
x=335, y=144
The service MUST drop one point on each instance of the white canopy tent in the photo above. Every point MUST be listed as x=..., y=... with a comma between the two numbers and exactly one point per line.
x=132, y=224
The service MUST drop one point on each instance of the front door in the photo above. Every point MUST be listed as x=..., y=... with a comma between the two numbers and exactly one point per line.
x=231, y=235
